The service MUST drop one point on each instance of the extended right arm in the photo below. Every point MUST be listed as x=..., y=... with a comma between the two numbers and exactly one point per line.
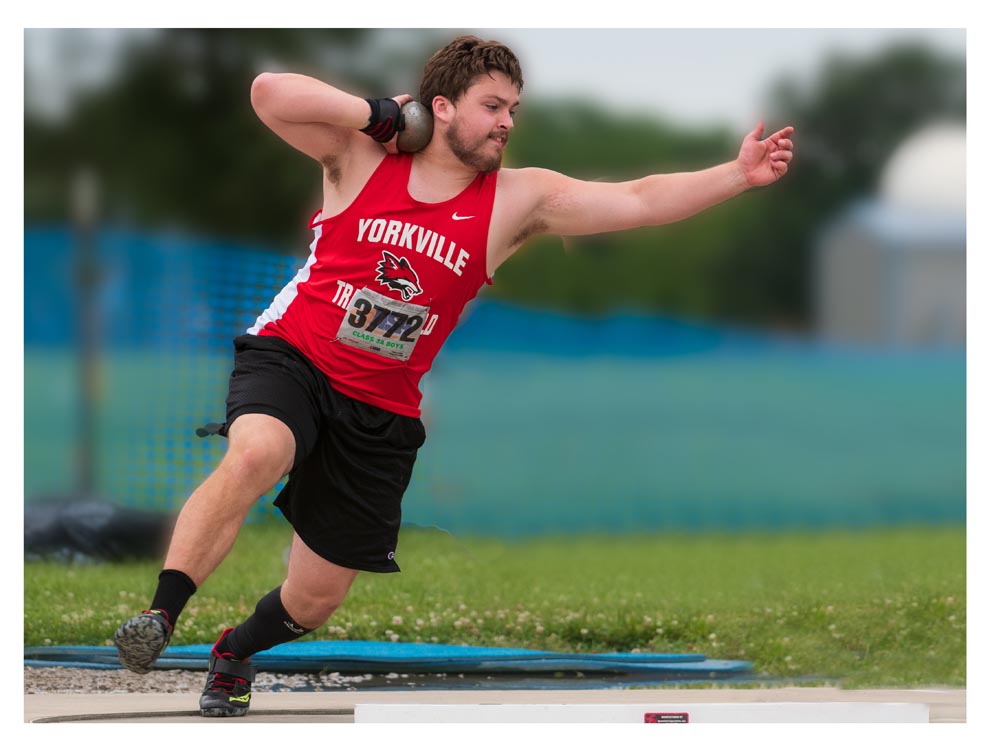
x=314, y=117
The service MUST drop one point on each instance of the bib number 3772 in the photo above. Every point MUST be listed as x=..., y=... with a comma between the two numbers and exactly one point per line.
x=378, y=324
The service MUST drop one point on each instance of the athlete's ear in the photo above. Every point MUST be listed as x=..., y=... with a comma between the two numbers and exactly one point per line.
x=443, y=109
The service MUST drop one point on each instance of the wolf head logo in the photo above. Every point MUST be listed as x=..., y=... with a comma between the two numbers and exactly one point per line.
x=396, y=273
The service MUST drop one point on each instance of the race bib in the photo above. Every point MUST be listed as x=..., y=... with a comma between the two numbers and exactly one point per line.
x=378, y=324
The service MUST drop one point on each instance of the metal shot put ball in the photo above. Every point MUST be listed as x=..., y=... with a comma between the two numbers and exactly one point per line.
x=419, y=127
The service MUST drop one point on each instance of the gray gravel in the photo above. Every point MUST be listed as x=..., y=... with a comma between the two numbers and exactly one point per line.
x=91, y=681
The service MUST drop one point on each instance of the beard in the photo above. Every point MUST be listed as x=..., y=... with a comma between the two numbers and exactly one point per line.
x=470, y=152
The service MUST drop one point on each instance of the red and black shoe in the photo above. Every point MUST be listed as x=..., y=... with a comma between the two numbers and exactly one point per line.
x=228, y=685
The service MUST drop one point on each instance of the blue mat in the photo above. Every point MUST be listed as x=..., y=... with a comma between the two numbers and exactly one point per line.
x=386, y=657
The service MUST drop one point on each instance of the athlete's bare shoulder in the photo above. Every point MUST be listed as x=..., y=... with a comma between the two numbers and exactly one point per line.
x=524, y=178
x=529, y=189
x=519, y=196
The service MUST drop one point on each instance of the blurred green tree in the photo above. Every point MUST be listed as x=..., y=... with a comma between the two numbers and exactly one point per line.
x=849, y=123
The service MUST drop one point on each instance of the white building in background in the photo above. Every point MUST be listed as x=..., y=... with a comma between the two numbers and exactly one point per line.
x=891, y=270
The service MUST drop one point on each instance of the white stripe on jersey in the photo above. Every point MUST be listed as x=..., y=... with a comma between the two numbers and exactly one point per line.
x=284, y=298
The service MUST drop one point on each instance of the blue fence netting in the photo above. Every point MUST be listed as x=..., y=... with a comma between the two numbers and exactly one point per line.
x=538, y=422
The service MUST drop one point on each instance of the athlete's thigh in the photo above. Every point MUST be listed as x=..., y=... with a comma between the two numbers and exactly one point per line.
x=272, y=379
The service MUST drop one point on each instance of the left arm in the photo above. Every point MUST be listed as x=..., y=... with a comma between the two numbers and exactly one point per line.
x=568, y=207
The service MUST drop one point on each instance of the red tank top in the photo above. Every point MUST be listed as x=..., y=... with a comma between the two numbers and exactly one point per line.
x=384, y=285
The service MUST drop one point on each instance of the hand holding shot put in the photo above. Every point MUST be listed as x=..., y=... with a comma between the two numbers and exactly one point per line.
x=417, y=215
x=417, y=127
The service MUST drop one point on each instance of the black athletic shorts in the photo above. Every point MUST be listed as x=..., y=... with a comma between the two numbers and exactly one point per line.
x=353, y=460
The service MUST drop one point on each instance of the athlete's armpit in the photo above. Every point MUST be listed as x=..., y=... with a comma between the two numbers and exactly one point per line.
x=332, y=169
x=533, y=228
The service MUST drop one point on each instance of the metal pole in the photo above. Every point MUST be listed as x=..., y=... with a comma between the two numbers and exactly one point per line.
x=85, y=197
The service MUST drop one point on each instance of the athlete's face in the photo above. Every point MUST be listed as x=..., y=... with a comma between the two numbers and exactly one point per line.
x=482, y=120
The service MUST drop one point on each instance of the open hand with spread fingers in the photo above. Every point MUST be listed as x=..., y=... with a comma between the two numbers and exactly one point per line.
x=764, y=162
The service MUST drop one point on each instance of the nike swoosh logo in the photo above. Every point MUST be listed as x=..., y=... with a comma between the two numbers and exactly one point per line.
x=460, y=218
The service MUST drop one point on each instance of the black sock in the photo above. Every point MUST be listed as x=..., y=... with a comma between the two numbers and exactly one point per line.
x=269, y=625
x=174, y=590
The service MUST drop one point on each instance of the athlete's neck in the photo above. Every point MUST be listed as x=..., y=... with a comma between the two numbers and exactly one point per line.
x=437, y=175
x=439, y=161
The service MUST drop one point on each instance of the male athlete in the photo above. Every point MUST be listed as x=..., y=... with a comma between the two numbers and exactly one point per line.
x=325, y=386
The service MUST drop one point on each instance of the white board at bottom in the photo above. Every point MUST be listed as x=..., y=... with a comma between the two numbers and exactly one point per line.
x=644, y=713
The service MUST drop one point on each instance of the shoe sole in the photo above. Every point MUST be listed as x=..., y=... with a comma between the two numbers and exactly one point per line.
x=139, y=642
x=223, y=711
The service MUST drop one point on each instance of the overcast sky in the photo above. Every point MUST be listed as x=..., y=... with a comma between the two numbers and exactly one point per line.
x=691, y=75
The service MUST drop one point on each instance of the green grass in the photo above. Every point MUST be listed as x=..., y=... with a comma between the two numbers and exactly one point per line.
x=871, y=608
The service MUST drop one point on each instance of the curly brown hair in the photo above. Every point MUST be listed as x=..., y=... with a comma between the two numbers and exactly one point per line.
x=450, y=71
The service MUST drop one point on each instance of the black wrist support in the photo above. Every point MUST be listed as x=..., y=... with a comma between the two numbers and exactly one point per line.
x=386, y=119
